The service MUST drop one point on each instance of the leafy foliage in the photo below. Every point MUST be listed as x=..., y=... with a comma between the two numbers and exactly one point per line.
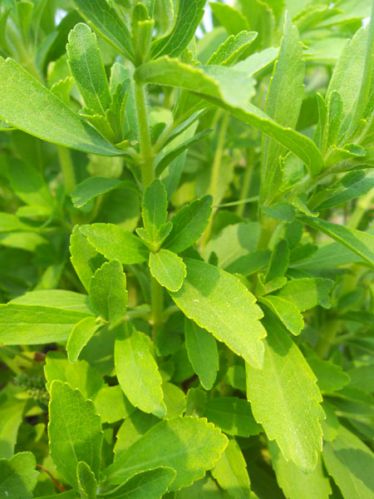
x=186, y=249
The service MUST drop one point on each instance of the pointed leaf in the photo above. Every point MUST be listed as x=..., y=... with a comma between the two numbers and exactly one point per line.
x=168, y=269
x=286, y=312
x=151, y=484
x=137, y=372
x=188, y=445
x=308, y=292
x=42, y=114
x=79, y=336
x=277, y=394
x=86, y=480
x=74, y=431
x=218, y=302
x=91, y=188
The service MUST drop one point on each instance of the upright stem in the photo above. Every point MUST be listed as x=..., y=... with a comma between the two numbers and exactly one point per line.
x=148, y=175
x=327, y=338
x=67, y=168
x=247, y=179
x=145, y=142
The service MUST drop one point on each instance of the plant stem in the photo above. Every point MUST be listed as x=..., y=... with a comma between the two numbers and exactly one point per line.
x=145, y=143
x=327, y=338
x=363, y=204
x=67, y=168
x=148, y=175
x=247, y=179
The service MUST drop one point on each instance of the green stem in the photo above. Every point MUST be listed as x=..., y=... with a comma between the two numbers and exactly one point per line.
x=362, y=206
x=145, y=142
x=268, y=226
x=148, y=175
x=247, y=179
x=327, y=338
x=67, y=168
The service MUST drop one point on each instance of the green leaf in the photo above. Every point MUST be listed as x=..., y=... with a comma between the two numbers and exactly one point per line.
x=56, y=298
x=11, y=415
x=295, y=483
x=308, y=292
x=287, y=79
x=230, y=18
x=84, y=258
x=86, y=480
x=218, y=302
x=111, y=404
x=233, y=415
x=202, y=352
x=330, y=376
x=115, y=243
x=85, y=63
x=168, y=269
x=137, y=371
x=34, y=325
x=105, y=20
x=91, y=188
x=231, y=472
x=286, y=311
x=18, y=476
x=217, y=85
x=188, y=18
x=188, y=445
x=351, y=464
x=79, y=336
x=152, y=484
x=188, y=224
x=277, y=394
x=279, y=261
x=108, y=292
x=233, y=48
x=74, y=431
x=40, y=113
x=361, y=243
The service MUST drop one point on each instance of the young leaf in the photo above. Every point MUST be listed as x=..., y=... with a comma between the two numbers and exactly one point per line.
x=361, y=243
x=79, y=336
x=18, y=476
x=137, y=371
x=218, y=302
x=108, y=292
x=189, y=445
x=233, y=415
x=115, y=243
x=150, y=484
x=105, y=20
x=87, y=68
x=188, y=18
x=330, y=376
x=279, y=261
x=86, y=480
x=91, y=188
x=286, y=312
x=43, y=115
x=216, y=85
x=168, y=269
x=56, y=298
x=231, y=472
x=202, y=352
x=35, y=325
x=288, y=77
x=295, y=483
x=188, y=224
x=308, y=292
x=233, y=48
x=74, y=431
x=232, y=19
x=277, y=396
x=351, y=463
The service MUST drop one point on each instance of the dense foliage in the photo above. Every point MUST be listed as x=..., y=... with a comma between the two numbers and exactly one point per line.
x=186, y=249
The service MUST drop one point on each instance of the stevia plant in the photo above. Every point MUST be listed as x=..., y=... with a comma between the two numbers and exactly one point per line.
x=187, y=249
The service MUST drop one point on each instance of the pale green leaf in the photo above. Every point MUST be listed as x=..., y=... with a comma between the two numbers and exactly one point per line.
x=137, y=371
x=168, y=269
x=351, y=464
x=105, y=20
x=231, y=472
x=202, y=352
x=18, y=476
x=88, y=69
x=79, y=336
x=133, y=428
x=295, y=483
x=175, y=400
x=286, y=311
x=115, y=243
x=56, y=298
x=108, y=291
x=229, y=17
x=11, y=415
x=152, y=484
x=308, y=292
x=91, y=188
x=277, y=394
x=233, y=48
x=188, y=445
x=34, y=325
x=188, y=224
x=218, y=302
x=74, y=431
x=111, y=404
x=86, y=480
x=233, y=415
x=330, y=376
x=40, y=113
